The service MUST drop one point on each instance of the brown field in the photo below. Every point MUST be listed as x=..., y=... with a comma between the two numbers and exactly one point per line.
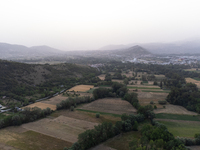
x=174, y=109
x=18, y=138
x=102, y=76
x=81, y=88
x=188, y=80
x=146, y=97
x=62, y=127
x=192, y=69
x=86, y=116
x=42, y=105
x=110, y=105
x=138, y=82
x=55, y=100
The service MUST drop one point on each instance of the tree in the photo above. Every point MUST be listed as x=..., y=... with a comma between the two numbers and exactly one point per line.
x=161, y=84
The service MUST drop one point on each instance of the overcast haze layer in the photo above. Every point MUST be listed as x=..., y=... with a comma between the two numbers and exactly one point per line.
x=91, y=24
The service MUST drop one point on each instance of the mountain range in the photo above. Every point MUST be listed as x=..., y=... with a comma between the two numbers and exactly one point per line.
x=190, y=46
x=20, y=51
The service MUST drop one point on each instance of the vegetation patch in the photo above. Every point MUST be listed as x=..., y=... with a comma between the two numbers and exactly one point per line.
x=132, y=87
x=121, y=142
x=103, y=113
x=178, y=117
x=182, y=129
x=166, y=91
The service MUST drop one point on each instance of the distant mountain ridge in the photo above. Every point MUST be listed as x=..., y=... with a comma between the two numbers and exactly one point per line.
x=14, y=50
x=190, y=46
x=133, y=51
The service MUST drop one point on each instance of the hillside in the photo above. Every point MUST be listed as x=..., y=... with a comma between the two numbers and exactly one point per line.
x=132, y=51
x=25, y=79
x=19, y=51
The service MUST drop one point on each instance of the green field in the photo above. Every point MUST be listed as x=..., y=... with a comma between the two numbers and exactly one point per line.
x=178, y=117
x=103, y=113
x=133, y=87
x=182, y=129
x=198, y=79
x=156, y=91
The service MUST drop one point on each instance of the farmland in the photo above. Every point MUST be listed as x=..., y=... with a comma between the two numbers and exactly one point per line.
x=110, y=105
x=182, y=128
x=102, y=76
x=81, y=88
x=42, y=105
x=188, y=80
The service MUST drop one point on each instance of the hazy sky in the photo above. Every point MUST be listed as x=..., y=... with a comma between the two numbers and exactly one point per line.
x=91, y=24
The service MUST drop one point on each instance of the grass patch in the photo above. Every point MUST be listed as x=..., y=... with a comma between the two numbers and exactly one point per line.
x=182, y=129
x=178, y=117
x=156, y=91
x=121, y=142
x=31, y=140
x=133, y=87
x=198, y=79
x=103, y=113
x=90, y=91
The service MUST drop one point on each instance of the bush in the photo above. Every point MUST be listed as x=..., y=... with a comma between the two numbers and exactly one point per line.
x=155, y=107
x=72, y=108
x=162, y=102
x=164, y=107
x=151, y=102
x=97, y=115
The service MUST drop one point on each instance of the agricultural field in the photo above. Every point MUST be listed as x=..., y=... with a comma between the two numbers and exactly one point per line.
x=54, y=100
x=135, y=82
x=62, y=127
x=42, y=105
x=102, y=76
x=161, y=76
x=110, y=105
x=146, y=97
x=52, y=133
x=143, y=87
x=178, y=117
x=193, y=69
x=188, y=80
x=18, y=138
x=81, y=88
x=182, y=128
x=174, y=109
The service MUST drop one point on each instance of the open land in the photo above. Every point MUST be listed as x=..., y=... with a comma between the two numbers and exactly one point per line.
x=42, y=105
x=182, y=128
x=188, y=80
x=110, y=105
x=102, y=76
x=81, y=88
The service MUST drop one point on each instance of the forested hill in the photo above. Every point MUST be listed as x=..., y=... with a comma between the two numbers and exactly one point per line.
x=14, y=76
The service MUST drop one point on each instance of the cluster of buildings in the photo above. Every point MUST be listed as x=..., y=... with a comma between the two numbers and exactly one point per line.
x=182, y=60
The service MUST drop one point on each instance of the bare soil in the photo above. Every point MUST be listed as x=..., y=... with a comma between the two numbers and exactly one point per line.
x=188, y=80
x=55, y=100
x=110, y=105
x=42, y=105
x=82, y=88
x=62, y=127
x=102, y=76
x=146, y=97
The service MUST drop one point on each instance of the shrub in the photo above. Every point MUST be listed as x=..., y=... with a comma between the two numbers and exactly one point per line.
x=72, y=108
x=151, y=102
x=163, y=106
x=97, y=115
x=162, y=102
x=155, y=107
